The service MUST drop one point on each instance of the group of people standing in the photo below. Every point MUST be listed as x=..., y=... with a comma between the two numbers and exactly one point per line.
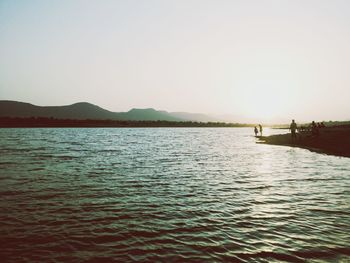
x=313, y=127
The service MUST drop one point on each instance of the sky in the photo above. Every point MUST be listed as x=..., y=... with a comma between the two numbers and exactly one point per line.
x=262, y=59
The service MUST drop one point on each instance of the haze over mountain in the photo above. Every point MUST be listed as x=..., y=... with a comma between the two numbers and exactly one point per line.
x=84, y=110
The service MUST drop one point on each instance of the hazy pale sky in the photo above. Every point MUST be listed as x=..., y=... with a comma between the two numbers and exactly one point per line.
x=260, y=59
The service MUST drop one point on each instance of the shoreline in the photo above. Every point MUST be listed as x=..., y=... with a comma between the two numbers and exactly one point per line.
x=331, y=140
x=45, y=122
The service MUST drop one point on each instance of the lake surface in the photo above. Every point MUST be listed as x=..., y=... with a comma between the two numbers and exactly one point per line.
x=169, y=195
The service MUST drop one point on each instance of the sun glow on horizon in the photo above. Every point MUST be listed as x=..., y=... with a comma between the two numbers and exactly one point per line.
x=269, y=84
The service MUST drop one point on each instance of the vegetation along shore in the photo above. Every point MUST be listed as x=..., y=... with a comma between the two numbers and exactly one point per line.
x=39, y=122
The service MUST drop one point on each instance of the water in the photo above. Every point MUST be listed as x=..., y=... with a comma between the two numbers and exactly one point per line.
x=170, y=195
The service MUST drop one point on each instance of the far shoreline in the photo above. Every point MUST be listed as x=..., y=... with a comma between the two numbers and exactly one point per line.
x=44, y=122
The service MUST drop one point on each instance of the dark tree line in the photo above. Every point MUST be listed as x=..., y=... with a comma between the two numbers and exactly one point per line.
x=14, y=122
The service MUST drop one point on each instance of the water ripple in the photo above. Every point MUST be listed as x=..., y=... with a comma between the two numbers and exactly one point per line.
x=168, y=195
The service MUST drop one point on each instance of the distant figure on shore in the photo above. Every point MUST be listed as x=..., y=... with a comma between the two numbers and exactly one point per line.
x=293, y=129
x=256, y=131
x=314, y=129
x=320, y=125
x=260, y=129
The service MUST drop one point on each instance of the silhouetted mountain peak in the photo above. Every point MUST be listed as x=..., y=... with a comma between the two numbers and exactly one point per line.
x=86, y=105
x=83, y=104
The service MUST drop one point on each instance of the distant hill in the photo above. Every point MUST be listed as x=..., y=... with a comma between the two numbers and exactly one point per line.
x=84, y=110
x=146, y=114
x=80, y=110
x=195, y=117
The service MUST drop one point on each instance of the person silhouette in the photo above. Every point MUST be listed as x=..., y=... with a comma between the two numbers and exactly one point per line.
x=314, y=129
x=293, y=129
x=261, y=129
x=256, y=131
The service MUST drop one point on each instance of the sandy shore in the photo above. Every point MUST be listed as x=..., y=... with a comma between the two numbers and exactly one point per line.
x=334, y=141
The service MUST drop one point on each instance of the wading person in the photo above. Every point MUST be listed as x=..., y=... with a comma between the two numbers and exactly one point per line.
x=293, y=129
x=256, y=131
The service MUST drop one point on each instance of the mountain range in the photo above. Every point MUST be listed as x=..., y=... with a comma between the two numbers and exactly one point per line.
x=84, y=110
